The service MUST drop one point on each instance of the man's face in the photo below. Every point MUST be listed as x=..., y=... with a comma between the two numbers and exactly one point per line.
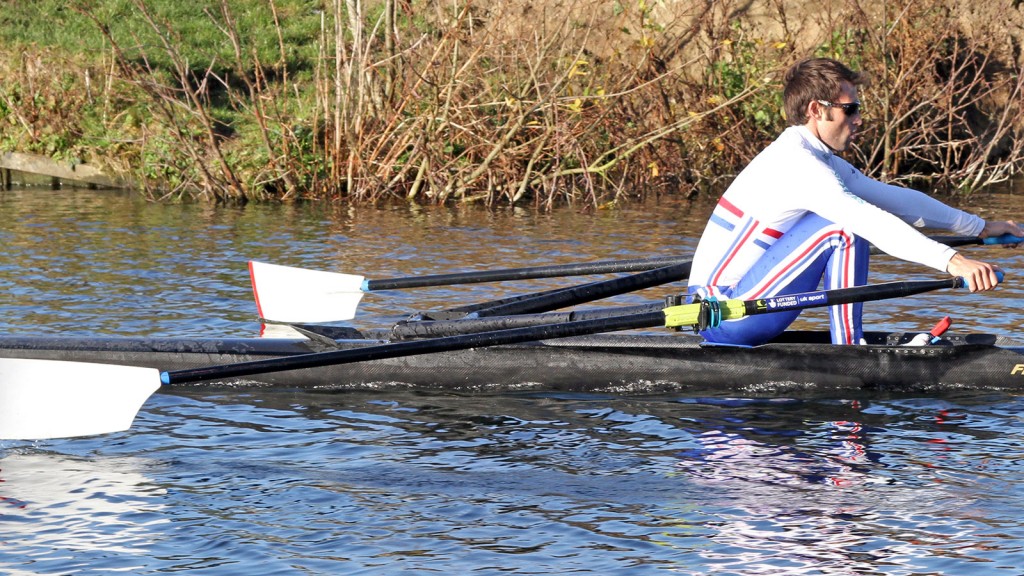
x=832, y=124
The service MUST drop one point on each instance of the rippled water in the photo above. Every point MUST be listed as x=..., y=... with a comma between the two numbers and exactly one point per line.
x=234, y=481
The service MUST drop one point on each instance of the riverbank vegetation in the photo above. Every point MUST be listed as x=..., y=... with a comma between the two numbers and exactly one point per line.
x=585, y=102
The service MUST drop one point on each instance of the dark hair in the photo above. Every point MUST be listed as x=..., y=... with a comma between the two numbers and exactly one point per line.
x=815, y=79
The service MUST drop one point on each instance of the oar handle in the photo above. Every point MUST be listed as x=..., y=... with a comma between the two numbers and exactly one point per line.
x=965, y=284
x=1002, y=239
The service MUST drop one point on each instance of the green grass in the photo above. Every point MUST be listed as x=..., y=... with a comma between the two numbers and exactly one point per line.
x=57, y=24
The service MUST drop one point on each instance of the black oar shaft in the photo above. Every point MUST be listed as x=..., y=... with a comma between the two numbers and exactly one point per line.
x=462, y=311
x=553, y=271
x=437, y=328
x=590, y=292
x=600, y=267
x=543, y=301
x=515, y=304
x=971, y=240
x=414, y=347
x=954, y=241
x=867, y=293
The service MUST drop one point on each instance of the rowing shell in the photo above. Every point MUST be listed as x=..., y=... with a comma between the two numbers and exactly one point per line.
x=621, y=364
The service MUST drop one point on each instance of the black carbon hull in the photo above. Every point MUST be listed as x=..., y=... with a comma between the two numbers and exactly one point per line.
x=638, y=364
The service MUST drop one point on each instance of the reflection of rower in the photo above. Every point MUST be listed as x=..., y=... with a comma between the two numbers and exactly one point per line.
x=786, y=503
x=852, y=448
x=726, y=456
x=773, y=507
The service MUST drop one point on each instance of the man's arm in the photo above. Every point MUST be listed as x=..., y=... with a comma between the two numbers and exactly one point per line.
x=913, y=207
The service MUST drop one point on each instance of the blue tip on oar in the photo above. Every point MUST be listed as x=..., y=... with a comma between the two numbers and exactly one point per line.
x=365, y=286
x=1003, y=239
x=999, y=277
x=964, y=283
x=165, y=378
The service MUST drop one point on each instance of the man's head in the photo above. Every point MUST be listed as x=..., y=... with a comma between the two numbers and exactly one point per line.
x=821, y=94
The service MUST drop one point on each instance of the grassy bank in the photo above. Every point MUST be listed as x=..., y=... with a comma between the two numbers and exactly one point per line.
x=588, y=102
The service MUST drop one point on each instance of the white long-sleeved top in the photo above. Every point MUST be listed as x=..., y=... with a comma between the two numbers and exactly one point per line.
x=797, y=174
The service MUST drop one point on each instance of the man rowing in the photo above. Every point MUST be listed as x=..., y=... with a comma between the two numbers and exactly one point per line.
x=798, y=213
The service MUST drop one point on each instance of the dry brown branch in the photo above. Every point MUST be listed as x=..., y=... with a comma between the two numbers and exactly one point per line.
x=583, y=101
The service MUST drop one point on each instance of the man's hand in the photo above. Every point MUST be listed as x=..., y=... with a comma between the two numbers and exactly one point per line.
x=998, y=228
x=980, y=276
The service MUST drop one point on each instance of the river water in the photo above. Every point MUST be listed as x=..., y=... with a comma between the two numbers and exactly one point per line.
x=234, y=481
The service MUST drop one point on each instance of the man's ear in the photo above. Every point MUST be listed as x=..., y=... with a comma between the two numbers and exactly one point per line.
x=814, y=110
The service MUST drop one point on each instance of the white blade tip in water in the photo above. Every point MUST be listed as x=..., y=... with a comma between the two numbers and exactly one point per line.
x=297, y=295
x=281, y=331
x=42, y=399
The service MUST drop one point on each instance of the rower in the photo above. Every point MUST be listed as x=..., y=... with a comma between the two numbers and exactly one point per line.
x=798, y=213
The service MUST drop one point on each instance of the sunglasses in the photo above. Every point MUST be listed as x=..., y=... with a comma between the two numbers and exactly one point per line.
x=848, y=108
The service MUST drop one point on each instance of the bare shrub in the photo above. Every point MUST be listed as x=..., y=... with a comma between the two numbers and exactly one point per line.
x=943, y=105
x=584, y=102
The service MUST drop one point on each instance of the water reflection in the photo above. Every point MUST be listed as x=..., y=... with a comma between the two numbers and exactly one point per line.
x=353, y=482
x=88, y=508
x=744, y=486
x=850, y=496
x=99, y=262
x=291, y=481
x=129, y=267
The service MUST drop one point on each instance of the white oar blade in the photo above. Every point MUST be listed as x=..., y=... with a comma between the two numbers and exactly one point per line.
x=297, y=295
x=55, y=399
